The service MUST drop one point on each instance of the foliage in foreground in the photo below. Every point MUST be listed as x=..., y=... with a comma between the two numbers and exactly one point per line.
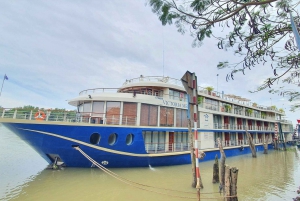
x=258, y=32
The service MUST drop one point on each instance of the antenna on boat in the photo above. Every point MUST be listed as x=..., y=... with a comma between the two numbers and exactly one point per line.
x=163, y=65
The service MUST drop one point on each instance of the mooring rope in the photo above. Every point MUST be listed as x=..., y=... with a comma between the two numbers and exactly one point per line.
x=138, y=185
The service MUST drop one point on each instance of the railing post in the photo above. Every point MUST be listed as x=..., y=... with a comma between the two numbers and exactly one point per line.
x=3, y=113
x=65, y=116
x=48, y=114
x=30, y=116
x=15, y=114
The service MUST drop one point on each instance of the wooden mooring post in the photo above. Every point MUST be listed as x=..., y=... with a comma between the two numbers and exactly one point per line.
x=216, y=178
x=266, y=144
x=231, y=175
x=228, y=181
x=251, y=144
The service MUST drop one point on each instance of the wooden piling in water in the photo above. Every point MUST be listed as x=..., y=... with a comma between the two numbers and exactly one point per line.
x=231, y=175
x=222, y=166
x=216, y=178
x=234, y=176
x=266, y=144
x=251, y=144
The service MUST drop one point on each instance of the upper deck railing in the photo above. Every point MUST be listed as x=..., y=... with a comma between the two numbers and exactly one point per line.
x=99, y=90
x=159, y=79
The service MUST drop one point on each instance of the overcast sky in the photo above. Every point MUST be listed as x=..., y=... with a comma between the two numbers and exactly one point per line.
x=52, y=50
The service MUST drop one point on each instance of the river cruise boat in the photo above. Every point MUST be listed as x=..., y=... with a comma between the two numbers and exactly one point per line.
x=144, y=123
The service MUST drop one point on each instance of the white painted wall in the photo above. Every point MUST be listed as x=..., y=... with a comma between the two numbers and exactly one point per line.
x=205, y=140
x=206, y=120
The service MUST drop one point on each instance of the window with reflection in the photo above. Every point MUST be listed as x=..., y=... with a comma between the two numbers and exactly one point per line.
x=211, y=104
x=149, y=115
x=177, y=95
x=87, y=107
x=154, y=141
x=98, y=108
x=181, y=118
x=166, y=116
x=97, y=112
x=129, y=113
x=181, y=141
x=113, y=112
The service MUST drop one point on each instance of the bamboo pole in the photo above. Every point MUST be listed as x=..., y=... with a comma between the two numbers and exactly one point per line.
x=222, y=166
x=193, y=159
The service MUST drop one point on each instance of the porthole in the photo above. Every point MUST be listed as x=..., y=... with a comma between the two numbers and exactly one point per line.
x=129, y=139
x=95, y=138
x=112, y=139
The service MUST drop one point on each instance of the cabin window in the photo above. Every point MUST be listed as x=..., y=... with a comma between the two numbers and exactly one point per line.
x=113, y=112
x=149, y=92
x=129, y=113
x=87, y=107
x=211, y=104
x=181, y=140
x=149, y=114
x=112, y=139
x=143, y=91
x=80, y=108
x=166, y=116
x=154, y=140
x=98, y=108
x=95, y=138
x=217, y=121
x=129, y=139
x=177, y=95
x=171, y=94
x=181, y=118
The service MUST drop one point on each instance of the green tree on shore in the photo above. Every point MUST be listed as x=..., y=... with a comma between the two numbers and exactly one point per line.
x=259, y=33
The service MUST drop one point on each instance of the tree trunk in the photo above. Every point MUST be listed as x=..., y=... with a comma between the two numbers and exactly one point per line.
x=266, y=144
x=222, y=166
x=251, y=144
x=216, y=178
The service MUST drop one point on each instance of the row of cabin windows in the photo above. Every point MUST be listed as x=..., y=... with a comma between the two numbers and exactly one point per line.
x=159, y=137
x=215, y=105
x=148, y=116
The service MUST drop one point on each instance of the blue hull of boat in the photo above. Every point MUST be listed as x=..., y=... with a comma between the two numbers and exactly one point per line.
x=49, y=139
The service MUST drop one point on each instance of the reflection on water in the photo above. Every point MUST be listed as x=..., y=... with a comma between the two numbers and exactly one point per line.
x=268, y=177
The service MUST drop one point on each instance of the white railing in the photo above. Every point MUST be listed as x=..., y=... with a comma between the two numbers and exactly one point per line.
x=166, y=147
x=159, y=79
x=99, y=90
x=68, y=116
x=229, y=143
